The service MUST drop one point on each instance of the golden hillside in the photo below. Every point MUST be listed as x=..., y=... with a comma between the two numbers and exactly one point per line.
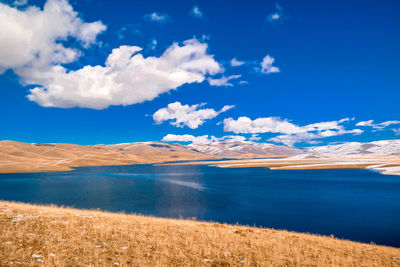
x=49, y=236
x=24, y=157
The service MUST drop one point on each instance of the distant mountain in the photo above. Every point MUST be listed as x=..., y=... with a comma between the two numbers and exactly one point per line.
x=377, y=148
x=249, y=149
x=244, y=149
x=24, y=157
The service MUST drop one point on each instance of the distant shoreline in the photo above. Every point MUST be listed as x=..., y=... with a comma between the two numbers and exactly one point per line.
x=16, y=157
x=384, y=165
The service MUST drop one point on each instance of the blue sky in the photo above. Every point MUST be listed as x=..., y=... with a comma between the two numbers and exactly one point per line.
x=305, y=73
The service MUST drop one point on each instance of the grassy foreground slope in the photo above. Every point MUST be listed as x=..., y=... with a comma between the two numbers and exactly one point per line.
x=52, y=236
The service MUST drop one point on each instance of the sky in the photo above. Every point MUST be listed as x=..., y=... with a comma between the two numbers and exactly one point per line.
x=296, y=73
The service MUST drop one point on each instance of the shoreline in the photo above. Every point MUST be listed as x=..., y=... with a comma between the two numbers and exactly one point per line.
x=384, y=165
x=16, y=157
x=67, y=236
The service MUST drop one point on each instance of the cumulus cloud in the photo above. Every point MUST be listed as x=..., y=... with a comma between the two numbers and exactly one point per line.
x=223, y=81
x=196, y=12
x=277, y=15
x=266, y=65
x=127, y=77
x=31, y=45
x=203, y=139
x=185, y=115
x=236, y=63
x=156, y=17
x=292, y=133
x=30, y=38
x=260, y=125
x=377, y=126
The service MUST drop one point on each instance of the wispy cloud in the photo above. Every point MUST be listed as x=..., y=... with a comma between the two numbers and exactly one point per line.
x=156, y=17
x=236, y=63
x=127, y=30
x=20, y=2
x=153, y=44
x=277, y=16
x=223, y=81
x=185, y=115
x=377, y=126
x=196, y=12
x=292, y=133
x=203, y=139
x=311, y=137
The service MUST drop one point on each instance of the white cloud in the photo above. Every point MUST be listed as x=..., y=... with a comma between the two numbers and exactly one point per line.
x=277, y=15
x=203, y=139
x=30, y=38
x=396, y=131
x=156, y=17
x=185, y=115
x=292, y=133
x=309, y=137
x=243, y=82
x=196, y=12
x=365, y=123
x=127, y=77
x=30, y=46
x=266, y=65
x=237, y=63
x=377, y=126
x=255, y=137
x=260, y=125
x=223, y=81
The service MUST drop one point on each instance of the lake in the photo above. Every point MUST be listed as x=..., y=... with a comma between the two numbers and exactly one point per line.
x=359, y=205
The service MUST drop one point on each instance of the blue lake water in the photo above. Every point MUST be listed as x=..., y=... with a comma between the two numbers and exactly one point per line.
x=360, y=205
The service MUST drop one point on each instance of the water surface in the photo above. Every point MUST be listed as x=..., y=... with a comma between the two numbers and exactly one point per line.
x=360, y=205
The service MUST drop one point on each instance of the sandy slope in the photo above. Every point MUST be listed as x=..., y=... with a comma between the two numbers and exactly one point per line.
x=24, y=157
x=50, y=236
x=382, y=156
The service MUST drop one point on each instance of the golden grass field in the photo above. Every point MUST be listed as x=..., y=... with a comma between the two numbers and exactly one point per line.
x=51, y=236
x=25, y=157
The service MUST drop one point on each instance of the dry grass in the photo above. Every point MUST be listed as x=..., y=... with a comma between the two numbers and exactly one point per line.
x=50, y=236
x=24, y=157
